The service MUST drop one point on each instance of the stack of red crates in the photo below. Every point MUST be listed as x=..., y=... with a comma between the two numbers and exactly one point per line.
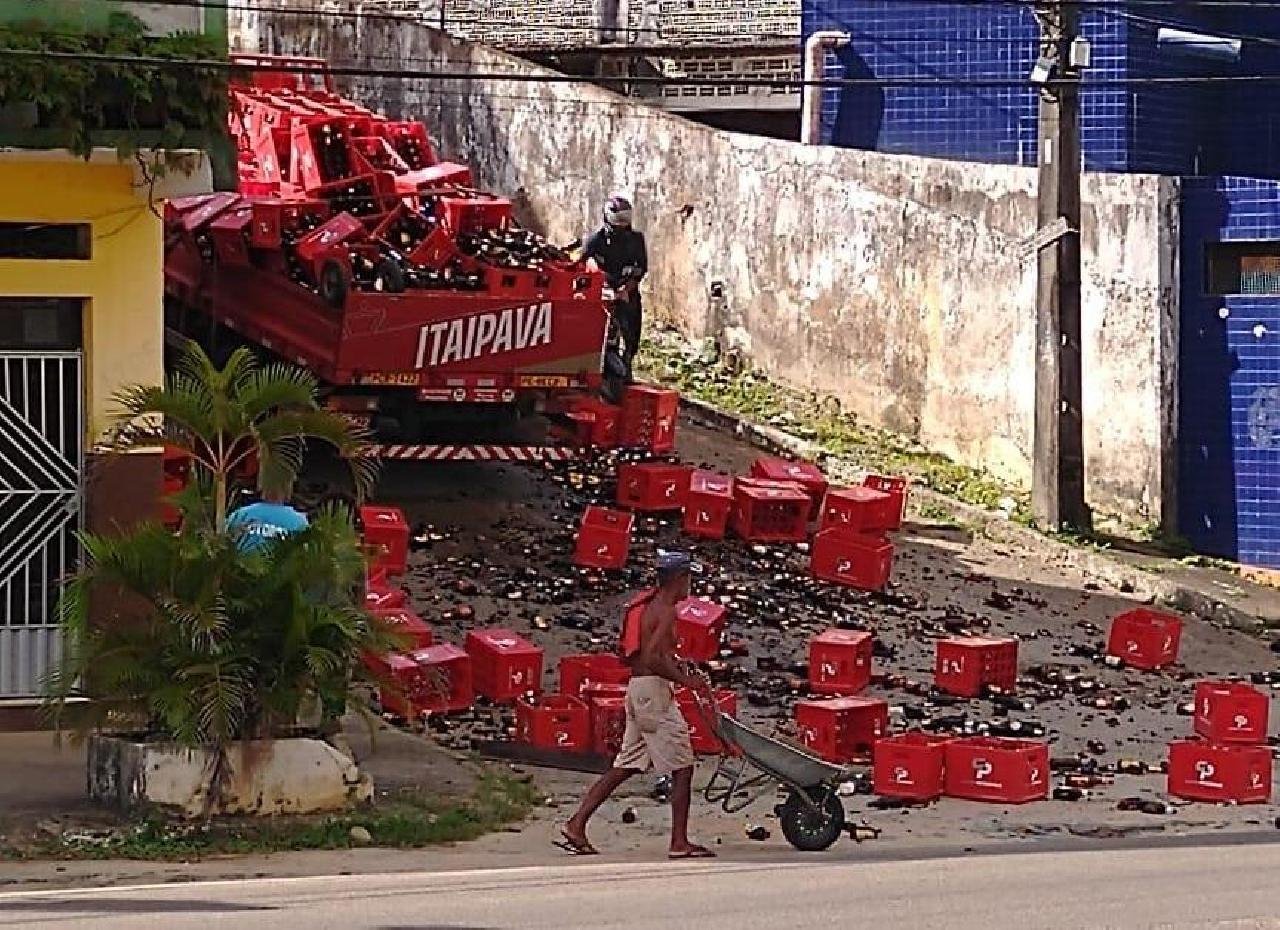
x=649, y=418
x=1229, y=761
x=805, y=474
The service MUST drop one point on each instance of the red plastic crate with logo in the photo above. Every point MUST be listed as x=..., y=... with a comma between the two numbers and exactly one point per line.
x=1231, y=712
x=842, y=729
x=701, y=736
x=894, y=508
x=805, y=474
x=398, y=678
x=699, y=625
x=1145, y=638
x=858, y=510
x=1204, y=771
x=380, y=597
x=446, y=678
x=653, y=486
x=987, y=768
x=854, y=560
x=648, y=418
x=386, y=529
x=554, y=721
x=910, y=765
x=604, y=538
x=404, y=623
x=767, y=511
x=578, y=673
x=707, y=508
x=598, y=421
x=840, y=662
x=608, y=718
x=504, y=665
x=964, y=665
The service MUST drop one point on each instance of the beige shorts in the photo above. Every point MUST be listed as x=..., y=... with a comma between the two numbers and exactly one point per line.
x=656, y=733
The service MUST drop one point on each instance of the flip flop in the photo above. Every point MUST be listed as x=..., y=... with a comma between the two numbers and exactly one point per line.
x=693, y=852
x=574, y=847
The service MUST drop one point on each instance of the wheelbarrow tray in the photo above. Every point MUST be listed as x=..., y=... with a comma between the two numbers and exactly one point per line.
x=787, y=764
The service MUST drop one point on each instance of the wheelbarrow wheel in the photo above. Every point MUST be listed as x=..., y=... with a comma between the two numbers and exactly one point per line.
x=812, y=829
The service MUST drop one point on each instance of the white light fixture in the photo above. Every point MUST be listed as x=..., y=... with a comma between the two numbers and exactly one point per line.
x=1042, y=71
x=1198, y=44
x=1081, y=53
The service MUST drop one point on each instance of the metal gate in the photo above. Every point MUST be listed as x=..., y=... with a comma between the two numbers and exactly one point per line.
x=41, y=463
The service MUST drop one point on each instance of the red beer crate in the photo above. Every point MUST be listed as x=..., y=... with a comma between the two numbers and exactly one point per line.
x=842, y=729
x=446, y=678
x=966, y=664
x=805, y=474
x=578, y=673
x=653, y=486
x=986, y=768
x=648, y=418
x=768, y=511
x=598, y=422
x=1145, y=638
x=504, y=665
x=406, y=624
x=701, y=736
x=1231, y=712
x=699, y=624
x=896, y=488
x=859, y=510
x=604, y=538
x=554, y=721
x=707, y=508
x=399, y=680
x=851, y=559
x=910, y=765
x=386, y=529
x=608, y=721
x=380, y=597
x=840, y=662
x=1202, y=771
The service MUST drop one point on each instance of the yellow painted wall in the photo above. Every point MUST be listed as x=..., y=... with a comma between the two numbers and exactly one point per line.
x=123, y=280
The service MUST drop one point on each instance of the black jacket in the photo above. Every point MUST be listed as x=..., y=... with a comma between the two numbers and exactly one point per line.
x=614, y=249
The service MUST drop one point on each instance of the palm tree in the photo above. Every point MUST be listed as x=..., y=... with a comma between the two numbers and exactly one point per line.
x=225, y=417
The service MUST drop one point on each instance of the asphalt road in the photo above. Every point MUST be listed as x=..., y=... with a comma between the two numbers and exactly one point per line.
x=1192, y=887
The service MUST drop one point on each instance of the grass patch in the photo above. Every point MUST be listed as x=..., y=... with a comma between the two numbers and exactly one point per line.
x=668, y=358
x=405, y=821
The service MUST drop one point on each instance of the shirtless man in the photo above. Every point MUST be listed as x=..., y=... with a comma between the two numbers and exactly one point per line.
x=656, y=733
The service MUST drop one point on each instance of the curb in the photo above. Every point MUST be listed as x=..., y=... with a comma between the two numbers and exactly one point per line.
x=1095, y=565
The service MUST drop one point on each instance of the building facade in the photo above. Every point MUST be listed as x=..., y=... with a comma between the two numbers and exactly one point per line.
x=1221, y=140
x=81, y=316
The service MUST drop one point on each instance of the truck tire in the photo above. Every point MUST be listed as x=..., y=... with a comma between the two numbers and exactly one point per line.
x=333, y=285
x=388, y=277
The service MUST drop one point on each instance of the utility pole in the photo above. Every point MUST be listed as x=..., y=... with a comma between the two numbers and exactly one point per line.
x=1057, y=482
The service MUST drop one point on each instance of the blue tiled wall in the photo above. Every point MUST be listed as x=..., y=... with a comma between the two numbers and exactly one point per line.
x=1229, y=381
x=1165, y=129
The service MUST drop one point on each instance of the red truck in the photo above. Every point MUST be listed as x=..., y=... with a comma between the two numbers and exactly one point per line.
x=351, y=249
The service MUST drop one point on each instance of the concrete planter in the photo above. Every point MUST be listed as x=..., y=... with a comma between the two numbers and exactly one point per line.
x=284, y=776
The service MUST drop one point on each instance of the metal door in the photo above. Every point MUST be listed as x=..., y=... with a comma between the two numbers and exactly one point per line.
x=41, y=464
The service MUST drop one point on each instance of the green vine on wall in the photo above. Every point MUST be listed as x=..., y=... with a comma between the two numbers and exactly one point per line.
x=169, y=108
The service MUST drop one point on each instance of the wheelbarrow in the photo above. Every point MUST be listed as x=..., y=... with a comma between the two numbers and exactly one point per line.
x=751, y=764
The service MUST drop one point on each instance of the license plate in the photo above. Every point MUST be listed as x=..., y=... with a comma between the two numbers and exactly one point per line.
x=544, y=381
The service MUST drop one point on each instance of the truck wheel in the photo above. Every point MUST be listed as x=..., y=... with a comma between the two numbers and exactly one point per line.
x=809, y=829
x=333, y=285
x=388, y=277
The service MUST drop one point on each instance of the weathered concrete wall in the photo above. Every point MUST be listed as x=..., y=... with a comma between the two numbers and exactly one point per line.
x=893, y=283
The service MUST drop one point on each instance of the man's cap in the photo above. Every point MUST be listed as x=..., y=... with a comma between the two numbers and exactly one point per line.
x=673, y=562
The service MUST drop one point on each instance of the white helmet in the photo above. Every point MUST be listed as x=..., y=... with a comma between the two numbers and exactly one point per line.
x=617, y=212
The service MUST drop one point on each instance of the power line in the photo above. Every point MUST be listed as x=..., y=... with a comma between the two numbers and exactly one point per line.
x=520, y=77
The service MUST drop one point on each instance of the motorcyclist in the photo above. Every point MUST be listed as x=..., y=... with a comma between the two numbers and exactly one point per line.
x=619, y=251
